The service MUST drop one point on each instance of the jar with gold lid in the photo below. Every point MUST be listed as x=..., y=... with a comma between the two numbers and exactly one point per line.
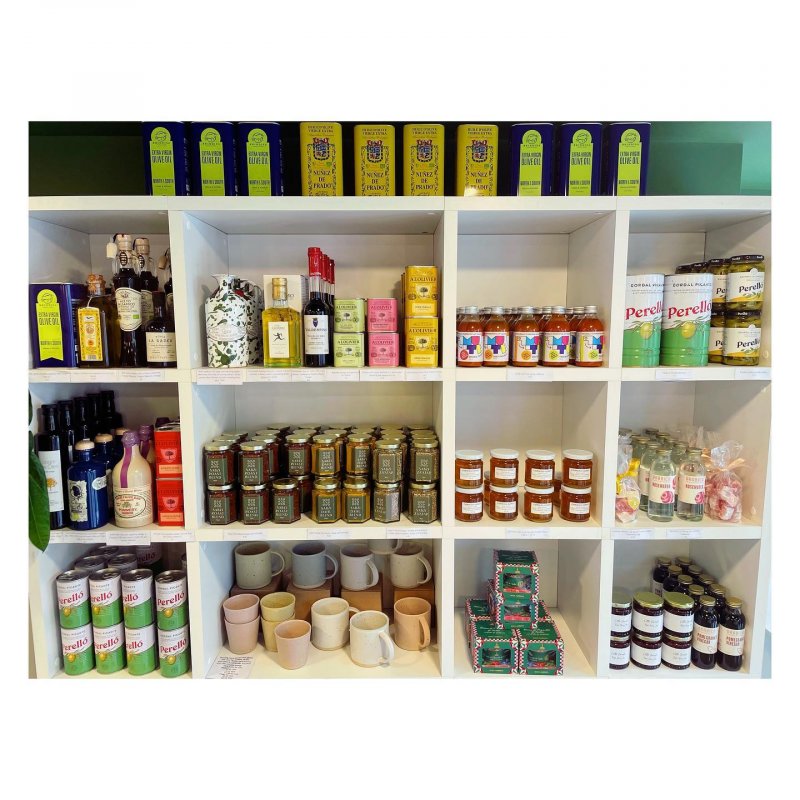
x=424, y=460
x=218, y=464
x=324, y=456
x=253, y=463
x=423, y=506
x=355, y=500
x=386, y=501
x=273, y=450
x=254, y=504
x=359, y=454
x=621, y=613
x=678, y=614
x=326, y=501
x=221, y=504
x=620, y=652
x=306, y=485
x=341, y=444
x=298, y=454
x=285, y=500
x=387, y=461
x=648, y=613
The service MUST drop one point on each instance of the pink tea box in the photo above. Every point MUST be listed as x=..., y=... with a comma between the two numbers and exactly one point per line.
x=382, y=315
x=384, y=349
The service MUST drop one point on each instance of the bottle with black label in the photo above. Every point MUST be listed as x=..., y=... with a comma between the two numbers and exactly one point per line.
x=316, y=316
x=48, y=448
x=128, y=297
x=160, y=336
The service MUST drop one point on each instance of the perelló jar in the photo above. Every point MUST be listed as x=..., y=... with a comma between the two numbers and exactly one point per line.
x=422, y=503
x=741, y=344
x=355, y=500
x=540, y=468
x=503, y=502
x=744, y=290
x=577, y=468
x=285, y=500
x=575, y=503
x=621, y=613
x=218, y=464
x=326, y=501
x=387, y=461
x=469, y=504
x=504, y=467
x=620, y=652
x=678, y=614
x=298, y=454
x=386, y=502
x=646, y=650
x=648, y=613
x=469, y=469
x=358, y=459
x=324, y=456
x=253, y=463
x=537, y=504
x=221, y=504
x=254, y=503
x=424, y=458
x=676, y=651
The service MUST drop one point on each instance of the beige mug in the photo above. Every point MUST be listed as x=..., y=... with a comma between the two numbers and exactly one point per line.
x=241, y=608
x=293, y=638
x=242, y=636
x=370, y=643
x=408, y=567
x=358, y=569
x=255, y=564
x=275, y=608
x=412, y=623
x=330, y=623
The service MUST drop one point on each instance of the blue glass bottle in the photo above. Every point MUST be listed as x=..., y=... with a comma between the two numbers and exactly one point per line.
x=102, y=452
x=87, y=489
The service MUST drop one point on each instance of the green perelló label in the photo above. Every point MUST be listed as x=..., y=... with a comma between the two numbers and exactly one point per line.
x=629, y=163
x=327, y=509
x=259, y=173
x=531, y=152
x=581, y=153
x=162, y=162
x=109, y=649
x=356, y=508
x=212, y=164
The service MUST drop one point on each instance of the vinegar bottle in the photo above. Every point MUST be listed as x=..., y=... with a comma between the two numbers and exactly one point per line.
x=148, y=280
x=128, y=297
x=48, y=447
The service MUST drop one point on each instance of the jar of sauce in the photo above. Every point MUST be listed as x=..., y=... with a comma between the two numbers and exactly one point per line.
x=730, y=648
x=298, y=454
x=676, y=651
x=504, y=467
x=538, y=504
x=591, y=340
x=705, y=634
x=540, y=467
x=423, y=507
x=386, y=502
x=659, y=573
x=744, y=290
x=741, y=343
x=574, y=318
x=469, y=469
x=678, y=614
x=496, y=339
x=557, y=487
x=306, y=485
x=326, y=501
x=254, y=502
x=387, y=461
x=469, y=339
x=253, y=463
x=646, y=650
x=285, y=500
x=621, y=613
x=424, y=461
x=671, y=581
x=648, y=613
x=358, y=457
x=577, y=467
x=620, y=652
x=469, y=504
x=324, y=457
x=526, y=338
x=575, y=503
x=218, y=464
x=555, y=347
x=221, y=504
x=355, y=501
x=503, y=502
x=273, y=448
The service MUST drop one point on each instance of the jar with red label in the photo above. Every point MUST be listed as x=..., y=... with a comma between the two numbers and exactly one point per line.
x=504, y=467
x=540, y=467
x=469, y=504
x=575, y=503
x=469, y=469
x=577, y=467
x=538, y=504
x=503, y=502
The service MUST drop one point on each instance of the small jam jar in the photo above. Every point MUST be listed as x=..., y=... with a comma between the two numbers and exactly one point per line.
x=469, y=504
x=387, y=461
x=221, y=504
x=285, y=500
x=324, y=456
x=676, y=651
x=503, y=502
x=678, y=614
x=358, y=459
x=386, y=502
x=620, y=653
x=684, y=582
x=218, y=464
x=646, y=650
x=540, y=468
x=355, y=500
x=422, y=503
x=621, y=613
x=424, y=460
x=504, y=468
x=557, y=487
x=326, y=500
x=576, y=468
x=254, y=503
x=575, y=503
x=695, y=570
x=648, y=613
x=684, y=563
x=298, y=454
x=273, y=446
x=253, y=463
x=306, y=484
x=537, y=504
x=469, y=469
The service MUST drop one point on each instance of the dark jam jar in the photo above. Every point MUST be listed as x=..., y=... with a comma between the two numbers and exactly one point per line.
x=620, y=652
x=254, y=504
x=678, y=615
x=730, y=650
x=684, y=563
x=705, y=580
x=621, y=613
x=221, y=504
x=676, y=652
x=718, y=592
x=659, y=573
x=684, y=582
x=646, y=650
x=695, y=570
x=648, y=613
x=671, y=581
x=705, y=636
x=696, y=592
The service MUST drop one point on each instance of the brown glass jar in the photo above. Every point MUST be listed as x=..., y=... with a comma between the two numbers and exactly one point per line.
x=355, y=499
x=469, y=504
x=298, y=454
x=503, y=502
x=540, y=468
x=423, y=505
x=359, y=455
x=718, y=592
x=253, y=463
x=678, y=614
x=386, y=502
x=326, y=501
x=221, y=504
x=469, y=469
x=676, y=651
x=577, y=468
x=646, y=650
x=537, y=503
x=254, y=504
x=696, y=592
x=218, y=464
x=504, y=467
x=575, y=503
x=285, y=501
x=424, y=460
x=387, y=461
x=648, y=613
x=306, y=485
x=620, y=653
x=324, y=456
x=621, y=613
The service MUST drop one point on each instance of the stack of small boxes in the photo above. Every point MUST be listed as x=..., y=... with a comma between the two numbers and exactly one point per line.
x=169, y=475
x=512, y=632
x=348, y=332
x=421, y=312
x=383, y=332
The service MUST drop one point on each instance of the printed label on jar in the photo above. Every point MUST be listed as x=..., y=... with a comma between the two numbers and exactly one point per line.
x=219, y=510
x=217, y=470
x=389, y=467
x=252, y=470
x=541, y=474
x=742, y=342
x=78, y=506
x=472, y=508
x=556, y=347
x=731, y=642
x=544, y=509
x=423, y=509
x=745, y=287
x=716, y=341
x=356, y=508
x=526, y=347
x=386, y=507
x=506, y=473
x=129, y=308
x=278, y=345
x=647, y=624
x=425, y=468
x=361, y=458
x=692, y=489
x=678, y=624
x=677, y=656
x=662, y=488
x=283, y=508
x=505, y=507
x=297, y=461
x=495, y=347
x=315, y=330
x=720, y=288
x=469, y=347
x=470, y=474
x=326, y=461
x=591, y=346
x=327, y=509
x=580, y=474
x=253, y=510
x=657, y=588
x=51, y=463
x=579, y=509
x=133, y=502
x=620, y=623
x=645, y=656
x=705, y=640
x=620, y=655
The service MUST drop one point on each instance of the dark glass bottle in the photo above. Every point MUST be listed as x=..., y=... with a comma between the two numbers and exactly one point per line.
x=128, y=297
x=705, y=634
x=148, y=280
x=659, y=573
x=87, y=489
x=94, y=413
x=81, y=420
x=66, y=432
x=102, y=452
x=165, y=263
x=316, y=316
x=671, y=581
x=111, y=418
x=160, y=335
x=730, y=651
x=48, y=447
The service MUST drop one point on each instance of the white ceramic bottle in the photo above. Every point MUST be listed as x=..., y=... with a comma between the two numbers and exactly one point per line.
x=133, y=486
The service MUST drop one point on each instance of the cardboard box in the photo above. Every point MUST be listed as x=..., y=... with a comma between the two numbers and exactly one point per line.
x=475, y=610
x=516, y=571
x=296, y=291
x=270, y=588
x=423, y=160
x=366, y=599
x=169, y=496
x=167, y=440
x=427, y=591
x=54, y=325
x=493, y=650
x=321, y=159
x=305, y=598
x=476, y=160
x=421, y=292
x=541, y=649
x=513, y=610
x=374, y=160
x=166, y=158
x=422, y=342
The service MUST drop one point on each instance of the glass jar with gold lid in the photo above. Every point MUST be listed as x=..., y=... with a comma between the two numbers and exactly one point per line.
x=423, y=503
x=386, y=501
x=285, y=500
x=358, y=459
x=298, y=454
x=387, y=461
x=326, y=501
x=325, y=456
x=355, y=500
x=424, y=460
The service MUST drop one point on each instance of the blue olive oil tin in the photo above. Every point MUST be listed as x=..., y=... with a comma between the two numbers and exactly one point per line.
x=626, y=149
x=53, y=323
x=578, y=159
x=213, y=159
x=259, y=159
x=166, y=158
x=531, y=173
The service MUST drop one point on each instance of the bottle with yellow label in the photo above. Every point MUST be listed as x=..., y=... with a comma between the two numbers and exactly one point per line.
x=476, y=161
x=321, y=159
x=93, y=319
x=423, y=160
x=374, y=160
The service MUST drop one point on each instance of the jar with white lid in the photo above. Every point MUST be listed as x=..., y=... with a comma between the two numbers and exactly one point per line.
x=504, y=467
x=540, y=466
x=577, y=468
x=469, y=469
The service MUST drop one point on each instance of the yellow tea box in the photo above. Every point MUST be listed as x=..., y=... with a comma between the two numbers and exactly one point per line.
x=422, y=342
x=476, y=160
x=374, y=160
x=423, y=160
x=321, y=159
x=421, y=291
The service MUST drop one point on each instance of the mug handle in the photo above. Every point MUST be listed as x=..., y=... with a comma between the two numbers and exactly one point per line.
x=352, y=610
x=387, y=646
x=283, y=563
x=375, y=574
x=335, y=567
x=426, y=633
x=428, y=569
x=397, y=546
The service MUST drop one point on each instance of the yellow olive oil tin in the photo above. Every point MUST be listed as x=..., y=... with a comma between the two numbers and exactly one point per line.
x=421, y=291
x=321, y=159
x=423, y=160
x=476, y=161
x=374, y=160
x=422, y=342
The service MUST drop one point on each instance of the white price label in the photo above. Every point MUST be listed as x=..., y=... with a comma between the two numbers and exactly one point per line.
x=220, y=377
x=334, y=533
x=631, y=533
x=49, y=375
x=259, y=375
x=231, y=667
x=342, y=374
x=132, y=538
x=753, y=374
x=167, y=535
x=142, y=375
x=239, y=535
x=674, y=375
x=61, y=537
x=528, y=374
x=409, y=533
x=527, y=533
x=424, y=375
x=382, y=375
x=683, y=533
x=89, y=537
x=309, y=375
x=95, y=376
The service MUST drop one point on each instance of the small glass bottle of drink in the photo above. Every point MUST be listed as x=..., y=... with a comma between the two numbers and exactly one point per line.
x=469, y=339
x=590, y=339
x=691, y=487
x=661, y=496
x=555, y=346
x=526, y=339
x=496, y=339
x=730, y=649
x=644, y=473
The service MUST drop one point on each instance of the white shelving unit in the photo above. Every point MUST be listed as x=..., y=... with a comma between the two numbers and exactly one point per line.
x=489, y=251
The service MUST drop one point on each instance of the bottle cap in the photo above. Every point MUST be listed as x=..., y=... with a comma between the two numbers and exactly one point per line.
x=84, y=444
x=590, y=309
x=103, y=438
x=558, y=309
x=123, y=241
x=470, y=309
x=130, y=438
x=142, y=246
x=145, y=431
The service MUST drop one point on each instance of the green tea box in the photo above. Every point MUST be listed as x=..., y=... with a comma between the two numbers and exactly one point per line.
x=493, y=650
x=540, y=650
x=475, y=610
x=516, y=572
x=513, y=609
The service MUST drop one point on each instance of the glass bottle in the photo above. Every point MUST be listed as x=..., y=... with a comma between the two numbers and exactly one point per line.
x=281, y=328
x=93, y=406
x=317, y=328
x=165, y=263
x=526, y=339
x=661, y=493
x=469, y=338
x=678, y=455
x=705, y=634
x=87, y=489
x=160, y=335
x=80, y=421
x=112, y=419
x=132, y=486
x=644, y=473
x=128, y=298
x=730, y=649
x=92, y=320
x=495, y=339
x=590, y=339
x=47, y=444
x=66, y=432
x=555, y=346
x=691, y=487
x=102, y=452
x=574, y=320
x=148, y=280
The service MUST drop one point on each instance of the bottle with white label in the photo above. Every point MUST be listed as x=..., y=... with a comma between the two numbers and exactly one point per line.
x=48, y=448
x=87, y=489
x=128, y=297
x=132, y=482
x=661, y=493
x=281, y=328
x=148, y=280
x=316, y=316
x=730, y=647
x=705, y=634
x=691, y=487
x=644, y=473
x=160, y=335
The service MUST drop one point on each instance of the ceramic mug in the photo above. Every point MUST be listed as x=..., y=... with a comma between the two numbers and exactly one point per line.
x=409, y=568
x=370, y=643
x=293, y=637
x=308, y=565
x=255, y=565
x=242, y=636
x=275, y=608
x=383, y=547
x=412, y=623
x=330, y=623
x=358, y=568
x=241, y=608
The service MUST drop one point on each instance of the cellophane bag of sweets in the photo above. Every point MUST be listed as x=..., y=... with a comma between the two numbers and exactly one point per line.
x=724, y=485
x=628, y=495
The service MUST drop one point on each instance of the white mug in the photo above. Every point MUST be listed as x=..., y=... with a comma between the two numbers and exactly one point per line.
x=330, y=623
x=409, y=568
x=358, y=567
x=382, y=547
x=370, y=643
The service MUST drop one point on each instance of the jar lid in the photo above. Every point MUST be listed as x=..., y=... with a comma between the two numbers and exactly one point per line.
x=676, y=637
x=497, y=310
x=324, y=438
x=401, y=440
x=590, y=309
x=284, y=483
x=504, y=454
x=526, y=309
x=387, y=444
x=217, y=447
x=678, y=600
x=708, y=601
x=225, y=487
x=733, y=602
x=103, y=438
x=470, y=309
x=578, y=455
x=425, y=487
x=307, y=426
x=624, y=639
x=297, y=438
x=235, y=433
x=392, y=486
x=540, y=455
x=648, y=637
x=694, y=569
x=358, y=438
x=362, y=432
x=696, y=590
x=539, y=490
x=267, y=438
x=674, y=569
x=469, y=455
x=365, y=426
x=648, y=599
x=664, y=561
x=424, y=444
x=423, y=435
x=329, y=484
x=558, y=309
x=716, y=262
x=268, y=432
x=255, y=488
x=503, y=489
x=252, y=446
x=390, y=433
x=355, y=482
x=745, y=259
x=462, y=490
x=337, y=432
x=620, y=599
x=309, y=433
x=565, y=487
x=684, y=561
x=685, y=579
x=307, y=477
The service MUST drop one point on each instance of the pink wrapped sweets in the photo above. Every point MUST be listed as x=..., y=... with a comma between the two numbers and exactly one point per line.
x=723, y=485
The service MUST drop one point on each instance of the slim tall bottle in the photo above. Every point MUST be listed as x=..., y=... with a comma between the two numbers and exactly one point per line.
x=281, y=329
x=316, y=316
x=102, y=443
x=81, y=421
x=644, y=473
x=47, y=445
x=93, y=412
x=147, y=279
x=148, y=451
x=110, y=412
x=661, y=497
x=93, y=325
x=132, y=481
x=691, y=487
x=66, y=431
x=160, y=335
x=128, y=297
x=165, y=263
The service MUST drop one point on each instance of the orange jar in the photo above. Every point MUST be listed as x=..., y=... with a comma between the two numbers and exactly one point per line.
x=495, y=339
x=486, y=483
x=469, y=469
x=574, y=320
x=525, y=338
x=469, y=504
x=469, y=339
x=591, y=340
x=575, y=503
x=577, y=468
x=503, y=502
x=555, y=346
x=504, y=467
x=538, y=504
x=540, y=468
x=557, y=487
x=545, y=312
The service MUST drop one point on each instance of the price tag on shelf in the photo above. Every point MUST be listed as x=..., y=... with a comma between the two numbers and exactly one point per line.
x=683, y=533
x=94, y=376
x=631, y=533
x=142, y=375
x=408, y=533
x=324, y=535
x=231, y=667
x=62, y=537
x=342, y=374
x=131, y=538
x=308, y=375
x=49, y=375
x=260, y=375
x=239, y=535
x=424, y=375
x=377, y=375
x=167, y=535
x=674, y=375
x=220, y=377
x=90, y=537
x=753, y=374
x=527, y=533
x=528, y=374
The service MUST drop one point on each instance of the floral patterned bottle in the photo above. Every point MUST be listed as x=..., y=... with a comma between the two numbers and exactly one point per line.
x=226, y=325
x=691, y=487
x=661, y=496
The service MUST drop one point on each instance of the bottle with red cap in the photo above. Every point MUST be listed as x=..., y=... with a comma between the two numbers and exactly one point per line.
x=317, y=316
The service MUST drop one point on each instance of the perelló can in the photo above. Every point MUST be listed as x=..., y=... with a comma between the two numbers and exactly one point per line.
x=173, y=651
x=140, y=646
x=686, y=320
x=105, y=591
x=72, y=588
x=644, y=303
x=90, y=564
x=123, y=562
x=148, y=556
x=109, y=648
x=76, y=646
x=137, y=598
x=172, y=611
